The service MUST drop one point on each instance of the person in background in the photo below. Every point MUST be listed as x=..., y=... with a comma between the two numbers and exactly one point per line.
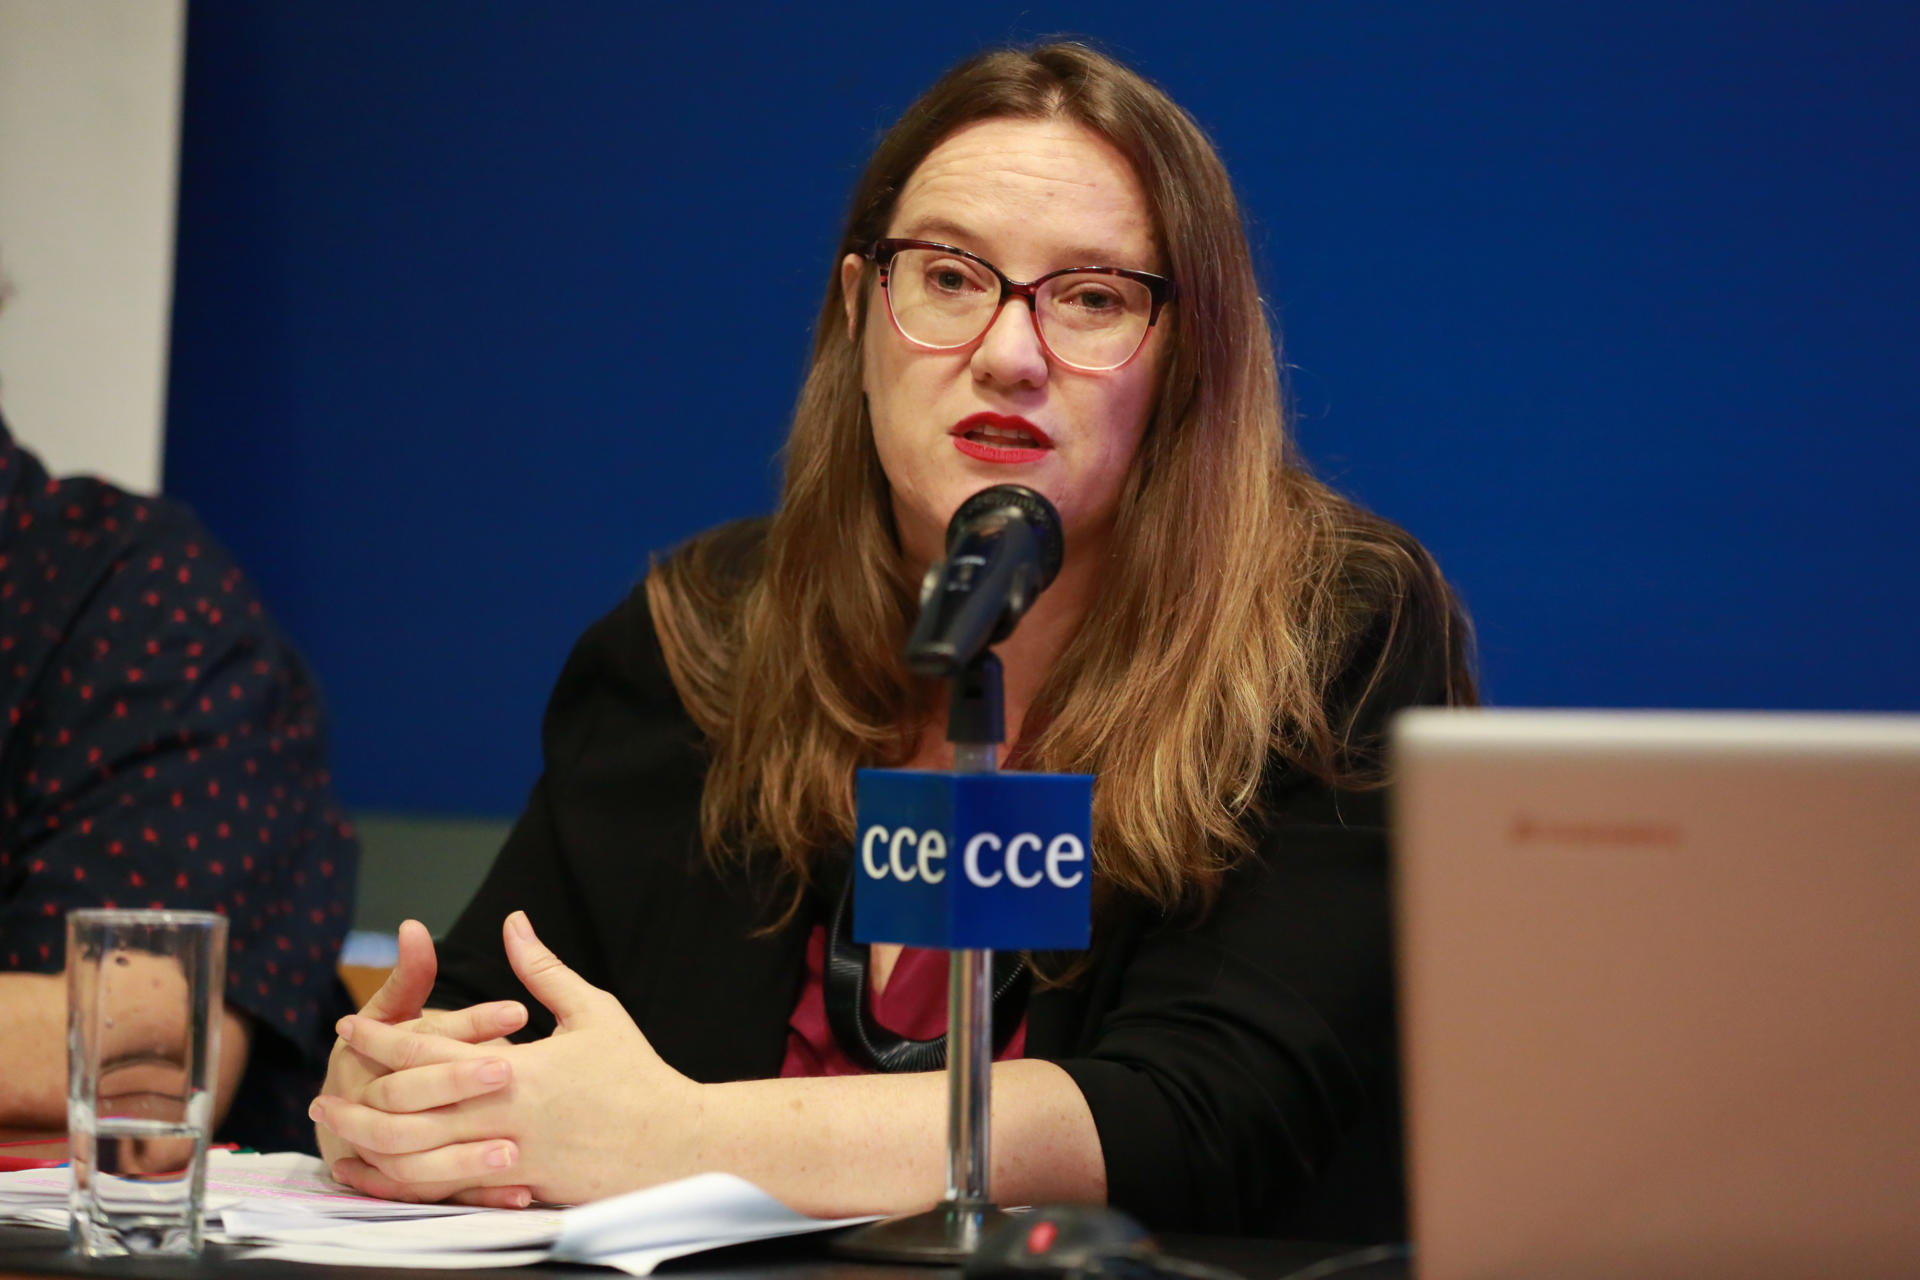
x=161, y=745
x=1043, y=280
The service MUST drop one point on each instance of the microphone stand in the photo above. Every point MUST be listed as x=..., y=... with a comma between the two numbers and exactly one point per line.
x=951, y=1231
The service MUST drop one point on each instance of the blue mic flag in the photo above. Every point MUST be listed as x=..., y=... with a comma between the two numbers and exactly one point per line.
x=1002, y=861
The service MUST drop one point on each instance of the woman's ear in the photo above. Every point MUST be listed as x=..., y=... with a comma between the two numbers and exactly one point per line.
x=851, y=267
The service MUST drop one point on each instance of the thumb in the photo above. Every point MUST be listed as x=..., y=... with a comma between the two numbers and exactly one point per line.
x=567, y=995
x=402, y=996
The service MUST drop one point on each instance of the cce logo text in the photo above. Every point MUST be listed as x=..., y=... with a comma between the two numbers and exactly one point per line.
x=907, y=855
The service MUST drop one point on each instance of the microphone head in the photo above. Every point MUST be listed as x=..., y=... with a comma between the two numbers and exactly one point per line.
x=1015, y=502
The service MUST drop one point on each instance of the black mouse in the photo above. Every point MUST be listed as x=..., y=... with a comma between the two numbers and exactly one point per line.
x=1060, y=1239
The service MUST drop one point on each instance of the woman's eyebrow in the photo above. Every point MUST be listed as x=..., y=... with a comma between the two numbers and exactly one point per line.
x=936, y=229
x=950, y=232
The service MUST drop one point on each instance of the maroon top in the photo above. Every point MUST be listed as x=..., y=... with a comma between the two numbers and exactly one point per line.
x=912, y=1004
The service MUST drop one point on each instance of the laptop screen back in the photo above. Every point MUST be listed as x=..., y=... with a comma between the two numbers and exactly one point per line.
x=1660, y=983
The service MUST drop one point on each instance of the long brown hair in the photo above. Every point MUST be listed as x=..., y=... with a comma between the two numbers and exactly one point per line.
x=1248, y=590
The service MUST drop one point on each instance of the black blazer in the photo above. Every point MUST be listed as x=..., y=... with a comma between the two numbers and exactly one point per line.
x=1239, y=1068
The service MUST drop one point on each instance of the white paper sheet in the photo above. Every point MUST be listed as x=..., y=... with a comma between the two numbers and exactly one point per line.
x=641, y=1262
x=707, y=1206
x=291, y=1181
x=287, y=1181
x=286, y=1207
x=634, y=1262
x=495, y=1229
x=340, y=1256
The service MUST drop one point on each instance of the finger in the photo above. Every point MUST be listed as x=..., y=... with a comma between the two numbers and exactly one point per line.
x=332, y=1146
x=404, y=994
x=369, y=1132
x=425, y=1088
x=495, y=1197
x=354, y=1172
x=363, y=1177
x=566, y=994
x=400, y=1049
x=458, y=1165
x=477, y=1023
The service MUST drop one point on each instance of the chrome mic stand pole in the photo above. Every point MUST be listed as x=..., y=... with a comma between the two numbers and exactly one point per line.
x=949, y=1232
x=976, y=727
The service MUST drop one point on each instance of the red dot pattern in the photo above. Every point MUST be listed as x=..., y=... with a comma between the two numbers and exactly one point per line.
x=162, y=745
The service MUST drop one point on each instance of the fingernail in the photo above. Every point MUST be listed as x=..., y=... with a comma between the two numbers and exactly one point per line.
x=333, y=1171
x=344, y=1028
x=520, y=924
x=521, y=1199
x=493, y=1071
x=500, y=1157
x=314, y=1110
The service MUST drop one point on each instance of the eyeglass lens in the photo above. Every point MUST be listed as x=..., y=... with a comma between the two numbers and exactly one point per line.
x=1089, y=319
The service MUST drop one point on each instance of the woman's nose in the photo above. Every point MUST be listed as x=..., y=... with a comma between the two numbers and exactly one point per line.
x=1010, y=351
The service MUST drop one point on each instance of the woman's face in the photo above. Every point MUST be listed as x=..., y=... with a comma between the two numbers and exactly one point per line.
x=1029, y=196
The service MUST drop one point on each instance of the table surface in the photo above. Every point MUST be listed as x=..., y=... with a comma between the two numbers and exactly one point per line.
x=36, y=1251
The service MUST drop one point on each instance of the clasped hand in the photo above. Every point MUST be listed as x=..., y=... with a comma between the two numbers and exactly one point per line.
x=431, y=1106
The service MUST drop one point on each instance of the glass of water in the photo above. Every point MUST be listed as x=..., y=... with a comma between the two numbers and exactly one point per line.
x=143, y=1027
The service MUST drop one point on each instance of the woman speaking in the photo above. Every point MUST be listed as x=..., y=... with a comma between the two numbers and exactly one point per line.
x=1044, y=282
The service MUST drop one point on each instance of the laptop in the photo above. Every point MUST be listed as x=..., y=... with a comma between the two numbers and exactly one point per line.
x=1660, y=988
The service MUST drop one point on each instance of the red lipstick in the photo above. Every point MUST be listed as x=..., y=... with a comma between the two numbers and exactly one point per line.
x=999, y=437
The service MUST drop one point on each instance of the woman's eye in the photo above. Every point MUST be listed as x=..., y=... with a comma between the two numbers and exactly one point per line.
x=949, y=278
x=1094, y=298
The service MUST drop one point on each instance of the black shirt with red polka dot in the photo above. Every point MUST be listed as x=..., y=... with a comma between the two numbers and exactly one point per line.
x=161, y=745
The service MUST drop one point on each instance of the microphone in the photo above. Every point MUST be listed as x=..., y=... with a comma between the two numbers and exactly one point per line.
x=1004, y=547
x=970, y=859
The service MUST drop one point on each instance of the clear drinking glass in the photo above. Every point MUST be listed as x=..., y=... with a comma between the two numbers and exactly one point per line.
x=143, y=991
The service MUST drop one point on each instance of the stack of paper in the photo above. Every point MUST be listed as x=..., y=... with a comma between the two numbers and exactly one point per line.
x=289, y=1185
x=285, y=1206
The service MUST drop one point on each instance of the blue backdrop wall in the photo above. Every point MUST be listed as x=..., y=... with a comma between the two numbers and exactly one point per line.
x=479, y=303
